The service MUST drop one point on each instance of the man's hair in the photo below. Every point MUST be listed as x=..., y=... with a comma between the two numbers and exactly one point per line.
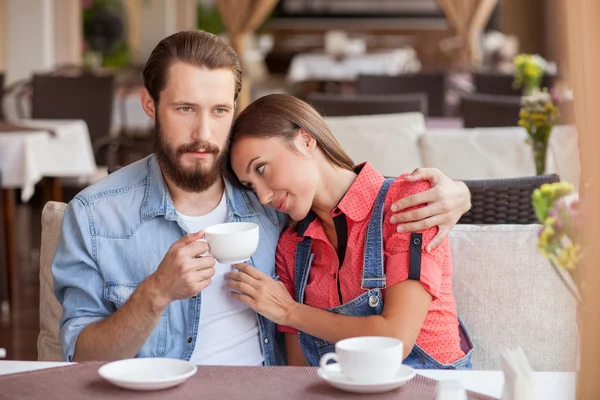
x=198, y=48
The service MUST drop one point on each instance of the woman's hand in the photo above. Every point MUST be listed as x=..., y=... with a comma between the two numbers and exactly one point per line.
x=262, y=293
x=446, y=202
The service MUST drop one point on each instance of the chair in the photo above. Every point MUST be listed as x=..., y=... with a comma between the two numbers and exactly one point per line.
x=486, y=110
x=433, y=84
x=48, y=343
x=332, y=105
x=501, y=84
x=504, y=201
x=86, y=96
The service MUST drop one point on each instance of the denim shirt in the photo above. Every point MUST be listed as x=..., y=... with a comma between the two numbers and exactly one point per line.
x=116, y=232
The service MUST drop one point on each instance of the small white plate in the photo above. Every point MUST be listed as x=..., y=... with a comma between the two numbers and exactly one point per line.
x=337, y=380
x=147, y=373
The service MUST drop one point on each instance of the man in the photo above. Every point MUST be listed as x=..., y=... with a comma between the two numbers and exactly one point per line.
x=128, y=268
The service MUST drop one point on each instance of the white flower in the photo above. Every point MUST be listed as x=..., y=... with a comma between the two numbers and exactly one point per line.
x=540, y=61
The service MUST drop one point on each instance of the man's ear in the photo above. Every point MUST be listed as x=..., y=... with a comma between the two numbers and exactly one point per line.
x=148, y=104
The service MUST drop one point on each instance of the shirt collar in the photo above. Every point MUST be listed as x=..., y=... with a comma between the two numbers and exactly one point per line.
x=358, y=201
x=157, y=200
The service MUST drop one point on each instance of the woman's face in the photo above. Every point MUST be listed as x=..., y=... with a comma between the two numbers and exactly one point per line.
x=284, y=176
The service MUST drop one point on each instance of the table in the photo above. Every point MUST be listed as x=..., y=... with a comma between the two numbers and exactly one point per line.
x=551, y=385
x=326, y=67
x=50, y=148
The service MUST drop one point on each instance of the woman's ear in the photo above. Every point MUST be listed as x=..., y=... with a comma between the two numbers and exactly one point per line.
x=148, y=104
x=307, y=141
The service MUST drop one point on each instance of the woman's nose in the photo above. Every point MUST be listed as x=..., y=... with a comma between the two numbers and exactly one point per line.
x=264, y=195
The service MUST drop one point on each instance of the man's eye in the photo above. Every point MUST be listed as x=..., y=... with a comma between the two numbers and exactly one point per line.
x=185, y=109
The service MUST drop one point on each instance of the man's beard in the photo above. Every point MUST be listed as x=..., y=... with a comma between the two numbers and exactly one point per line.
x=198, y=178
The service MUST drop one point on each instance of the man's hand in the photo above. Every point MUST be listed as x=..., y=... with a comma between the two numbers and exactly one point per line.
x=446, y=202
x=184, y=271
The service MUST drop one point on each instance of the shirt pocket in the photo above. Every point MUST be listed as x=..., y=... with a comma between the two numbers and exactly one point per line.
x=156, y=345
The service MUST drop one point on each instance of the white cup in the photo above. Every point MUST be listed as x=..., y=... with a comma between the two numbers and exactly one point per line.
x=232, y=242
x=368, y=359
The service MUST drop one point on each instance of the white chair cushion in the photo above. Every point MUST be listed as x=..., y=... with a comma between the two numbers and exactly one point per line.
x=508, y=295
x=388, y=141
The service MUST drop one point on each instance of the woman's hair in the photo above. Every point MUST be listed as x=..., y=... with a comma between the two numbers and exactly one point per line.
x=282, y=115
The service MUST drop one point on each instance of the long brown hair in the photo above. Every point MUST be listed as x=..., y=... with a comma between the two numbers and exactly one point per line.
x=282, y=115
x=198, y=48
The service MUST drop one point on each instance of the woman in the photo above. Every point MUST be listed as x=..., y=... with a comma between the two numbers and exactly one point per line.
x=344, y=269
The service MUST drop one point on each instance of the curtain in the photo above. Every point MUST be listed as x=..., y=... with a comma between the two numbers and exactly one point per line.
x=468, y=18
x=240, y=18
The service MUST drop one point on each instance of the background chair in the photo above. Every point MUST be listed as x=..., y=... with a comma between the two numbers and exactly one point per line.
x=504, y=201
x=48, y=343
x=86, y=96
x=332, y=105
x=501, y=84
x=486, y=110
x=433, y=84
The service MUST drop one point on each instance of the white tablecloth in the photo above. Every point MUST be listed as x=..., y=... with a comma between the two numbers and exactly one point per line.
x=324, y=67
x=26, y=157
x=551, y=385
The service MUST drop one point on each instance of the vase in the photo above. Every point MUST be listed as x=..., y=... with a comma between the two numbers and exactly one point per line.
x=532, y=86
x=540, y=138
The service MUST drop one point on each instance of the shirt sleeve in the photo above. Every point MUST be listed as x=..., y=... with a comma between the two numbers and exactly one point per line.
x=78, y=283
x=284, y=272
x=397, y=245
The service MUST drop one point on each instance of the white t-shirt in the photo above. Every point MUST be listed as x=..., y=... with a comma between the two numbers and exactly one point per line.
x=228, y=329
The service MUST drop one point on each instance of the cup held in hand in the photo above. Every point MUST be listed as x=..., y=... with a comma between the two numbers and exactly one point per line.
x=232, y=242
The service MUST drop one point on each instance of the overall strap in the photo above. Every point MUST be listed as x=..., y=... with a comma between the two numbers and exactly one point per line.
x=304, y=259
x=373, y=267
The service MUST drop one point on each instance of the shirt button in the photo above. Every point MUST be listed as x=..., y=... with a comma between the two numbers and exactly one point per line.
x=266, y=340
x=417, y=241
x=190, y=340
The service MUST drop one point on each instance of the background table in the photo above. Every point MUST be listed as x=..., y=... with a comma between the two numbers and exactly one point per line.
x=49, y=148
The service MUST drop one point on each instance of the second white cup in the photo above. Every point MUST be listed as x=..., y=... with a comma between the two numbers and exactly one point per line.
x=368, y=359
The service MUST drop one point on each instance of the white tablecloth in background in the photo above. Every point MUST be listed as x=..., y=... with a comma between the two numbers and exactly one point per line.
x=26, y=157
x=551, y=385
x=324, y=67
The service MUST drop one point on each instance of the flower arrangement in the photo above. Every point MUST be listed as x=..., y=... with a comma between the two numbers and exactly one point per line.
x=538, y=116
x=529, y=70
x=558, y=209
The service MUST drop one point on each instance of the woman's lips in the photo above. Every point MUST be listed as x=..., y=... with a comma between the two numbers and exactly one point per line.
x=281, y=204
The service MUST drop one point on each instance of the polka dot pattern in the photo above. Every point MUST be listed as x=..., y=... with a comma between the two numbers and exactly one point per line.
x=439, y=334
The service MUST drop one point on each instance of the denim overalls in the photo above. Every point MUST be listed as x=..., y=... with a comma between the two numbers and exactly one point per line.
x=371, y=301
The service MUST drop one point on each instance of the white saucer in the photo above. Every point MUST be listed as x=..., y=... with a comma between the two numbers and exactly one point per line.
x=147, y=373
x=337, y=380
